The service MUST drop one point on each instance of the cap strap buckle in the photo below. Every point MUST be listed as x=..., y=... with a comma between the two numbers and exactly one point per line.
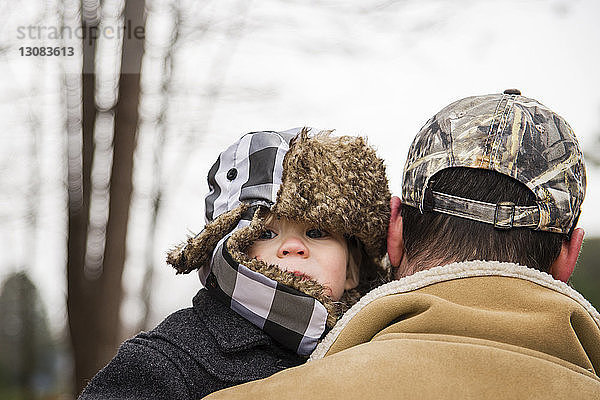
x=504, y=216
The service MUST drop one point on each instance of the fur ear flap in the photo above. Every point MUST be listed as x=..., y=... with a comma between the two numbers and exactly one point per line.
x=197, y=251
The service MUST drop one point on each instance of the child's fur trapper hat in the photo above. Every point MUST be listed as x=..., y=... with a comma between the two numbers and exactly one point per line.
x=336, y=183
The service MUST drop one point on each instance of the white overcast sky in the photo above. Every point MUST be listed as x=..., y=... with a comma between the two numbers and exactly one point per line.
x=374, y=68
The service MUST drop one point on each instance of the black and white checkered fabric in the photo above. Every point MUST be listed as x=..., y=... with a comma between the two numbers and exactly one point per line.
x=251, y=171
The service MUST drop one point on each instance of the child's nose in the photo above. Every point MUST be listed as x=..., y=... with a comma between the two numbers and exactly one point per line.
x=292, y=246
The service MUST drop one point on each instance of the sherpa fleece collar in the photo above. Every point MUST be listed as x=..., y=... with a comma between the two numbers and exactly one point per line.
x=450, y=272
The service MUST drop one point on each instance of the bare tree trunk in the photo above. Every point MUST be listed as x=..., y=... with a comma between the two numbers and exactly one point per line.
x=81, y=293
x=121, y=182
x=94, y=301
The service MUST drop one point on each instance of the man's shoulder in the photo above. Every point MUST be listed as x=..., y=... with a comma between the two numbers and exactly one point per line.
x=405, y=367
x=484, y=299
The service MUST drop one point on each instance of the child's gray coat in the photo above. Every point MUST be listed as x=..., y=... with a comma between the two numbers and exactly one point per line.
x=193, y=352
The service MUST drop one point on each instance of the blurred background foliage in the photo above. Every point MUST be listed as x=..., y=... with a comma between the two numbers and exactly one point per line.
x=586, y=277
x=30, y=357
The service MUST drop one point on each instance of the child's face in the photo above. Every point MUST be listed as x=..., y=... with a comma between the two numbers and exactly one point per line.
x=305, y=251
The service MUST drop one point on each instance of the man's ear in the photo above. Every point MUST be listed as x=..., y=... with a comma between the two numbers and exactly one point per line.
x=563, y=266
x=351, y=279
x=395, y=244
x=354, y=260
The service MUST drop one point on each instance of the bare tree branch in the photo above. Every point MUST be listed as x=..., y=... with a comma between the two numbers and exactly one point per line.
x=158, y=183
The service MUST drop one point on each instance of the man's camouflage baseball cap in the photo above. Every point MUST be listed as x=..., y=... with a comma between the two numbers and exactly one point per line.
x=510, y=134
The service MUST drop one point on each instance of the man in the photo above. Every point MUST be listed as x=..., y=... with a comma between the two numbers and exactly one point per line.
x=483, y=242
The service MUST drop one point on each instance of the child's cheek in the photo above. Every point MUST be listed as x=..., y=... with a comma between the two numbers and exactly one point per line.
x=251, y=252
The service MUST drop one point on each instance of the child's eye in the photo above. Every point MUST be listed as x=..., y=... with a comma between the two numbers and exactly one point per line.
x=267, y=234
x=316, y=233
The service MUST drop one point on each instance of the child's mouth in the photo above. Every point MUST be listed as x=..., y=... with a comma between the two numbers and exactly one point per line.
x=301, y=275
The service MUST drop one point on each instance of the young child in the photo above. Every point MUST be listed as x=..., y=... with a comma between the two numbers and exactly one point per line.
x=295, y=234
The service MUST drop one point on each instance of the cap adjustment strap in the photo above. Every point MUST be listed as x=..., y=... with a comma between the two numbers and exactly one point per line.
x=503, y=215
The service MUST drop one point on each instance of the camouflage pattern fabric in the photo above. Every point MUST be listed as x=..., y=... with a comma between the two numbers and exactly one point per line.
x=510, y=134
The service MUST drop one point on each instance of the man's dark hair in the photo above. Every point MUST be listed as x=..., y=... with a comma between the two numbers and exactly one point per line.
x=440, y=238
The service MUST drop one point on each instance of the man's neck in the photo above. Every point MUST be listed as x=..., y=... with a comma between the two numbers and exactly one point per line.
x=408, y=267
